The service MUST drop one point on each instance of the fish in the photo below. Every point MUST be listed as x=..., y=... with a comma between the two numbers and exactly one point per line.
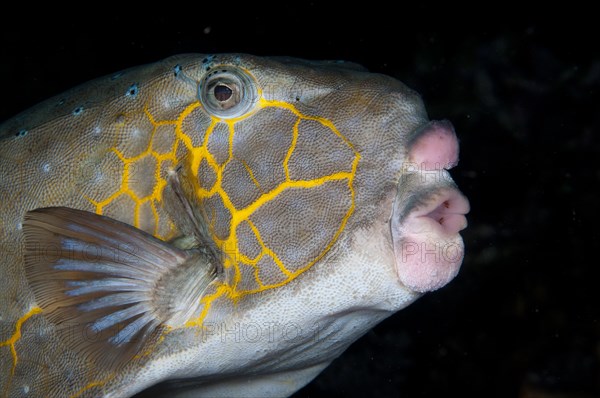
x=216, y=225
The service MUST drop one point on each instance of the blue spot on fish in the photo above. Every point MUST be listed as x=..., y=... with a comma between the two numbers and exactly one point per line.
x=207, y=61
x=21, y=133
x=132, y=91
x=78, y=110
x=177, y=70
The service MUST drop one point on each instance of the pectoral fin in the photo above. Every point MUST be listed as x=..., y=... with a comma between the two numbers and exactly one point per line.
x=109, y=288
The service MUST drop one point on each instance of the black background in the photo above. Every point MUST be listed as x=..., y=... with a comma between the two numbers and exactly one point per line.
x=522, y=89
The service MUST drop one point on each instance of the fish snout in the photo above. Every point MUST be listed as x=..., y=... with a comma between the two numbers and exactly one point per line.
x=429, y=211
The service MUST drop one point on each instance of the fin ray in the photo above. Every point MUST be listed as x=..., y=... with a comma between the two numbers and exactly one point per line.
x=103, y=285
x=110, y=300
x=117, y=317
x=128, y=332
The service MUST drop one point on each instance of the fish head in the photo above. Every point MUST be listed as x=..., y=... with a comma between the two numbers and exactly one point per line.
x=322, y=164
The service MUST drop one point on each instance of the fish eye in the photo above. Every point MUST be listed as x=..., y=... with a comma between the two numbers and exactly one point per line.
x=227, y=92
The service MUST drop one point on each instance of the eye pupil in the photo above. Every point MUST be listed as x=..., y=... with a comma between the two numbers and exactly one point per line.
x=222, y=92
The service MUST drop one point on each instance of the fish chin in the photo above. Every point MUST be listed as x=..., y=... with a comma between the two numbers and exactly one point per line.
x=428, y=248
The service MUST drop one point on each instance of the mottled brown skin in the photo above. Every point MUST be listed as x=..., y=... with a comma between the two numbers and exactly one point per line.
x=305, y=181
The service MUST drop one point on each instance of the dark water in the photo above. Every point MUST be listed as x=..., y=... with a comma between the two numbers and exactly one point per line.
x=522, y=319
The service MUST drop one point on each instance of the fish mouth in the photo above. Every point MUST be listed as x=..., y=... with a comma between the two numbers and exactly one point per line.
x=441, y=212
x=429, y=211
x=425, y=232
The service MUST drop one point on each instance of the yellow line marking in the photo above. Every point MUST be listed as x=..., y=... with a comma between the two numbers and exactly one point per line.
x=251, y=174
x=207, y=302
x=244, y=213
x=12, y=340
x=90, y=385
x=288, y=155
x=231, y=134
x=267, y=251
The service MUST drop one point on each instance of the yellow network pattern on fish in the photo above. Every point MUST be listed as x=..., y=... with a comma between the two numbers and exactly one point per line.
x=194, y=156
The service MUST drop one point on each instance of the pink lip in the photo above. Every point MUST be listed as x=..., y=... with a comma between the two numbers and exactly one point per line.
x=427, y=245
